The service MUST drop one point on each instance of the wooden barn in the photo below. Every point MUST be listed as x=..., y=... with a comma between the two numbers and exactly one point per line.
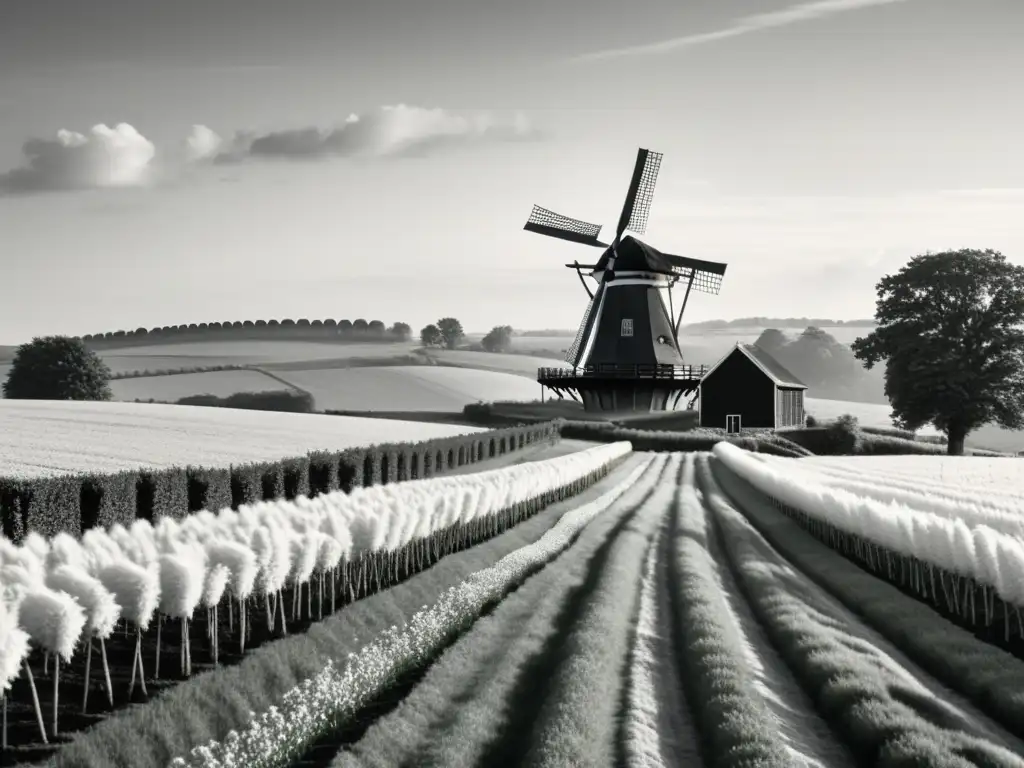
x=750, y=389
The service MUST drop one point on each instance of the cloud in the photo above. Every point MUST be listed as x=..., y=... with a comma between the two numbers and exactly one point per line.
x=105, y=157
x=794, y=14
x=123, y=157
x=389, y=131
x=202, y=144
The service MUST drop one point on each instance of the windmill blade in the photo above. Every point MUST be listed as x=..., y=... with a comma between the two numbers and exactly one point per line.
x=572, y=355
x=637, y=207
x=706, y=275
x=545, y=222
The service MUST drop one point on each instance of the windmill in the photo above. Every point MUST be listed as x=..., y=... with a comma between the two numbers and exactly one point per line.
x=626, y=353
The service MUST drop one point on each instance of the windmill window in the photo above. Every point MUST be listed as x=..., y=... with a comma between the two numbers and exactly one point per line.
x=627, y=326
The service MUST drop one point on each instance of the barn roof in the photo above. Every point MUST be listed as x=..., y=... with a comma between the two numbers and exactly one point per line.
x=771, y=367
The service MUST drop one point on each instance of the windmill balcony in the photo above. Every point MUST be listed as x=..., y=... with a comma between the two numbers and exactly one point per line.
x=625, y=371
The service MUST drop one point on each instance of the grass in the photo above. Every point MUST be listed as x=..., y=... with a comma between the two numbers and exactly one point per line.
x=475, y=704
x=864, y=691
x=736, y=728
x=175, y=386
x=210, y=705
x=419, y=388
x=49, y=437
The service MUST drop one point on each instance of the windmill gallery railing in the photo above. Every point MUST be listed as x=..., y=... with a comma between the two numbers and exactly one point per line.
x=625, y=371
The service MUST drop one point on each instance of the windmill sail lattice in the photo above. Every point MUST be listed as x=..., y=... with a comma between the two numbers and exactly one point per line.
x=574, y=350
x=641, y=192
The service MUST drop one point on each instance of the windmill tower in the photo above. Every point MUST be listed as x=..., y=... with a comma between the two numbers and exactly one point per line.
x=626, y=356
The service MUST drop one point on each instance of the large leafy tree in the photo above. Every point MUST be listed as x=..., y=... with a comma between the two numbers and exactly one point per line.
x=431, y=336
x=57, y=368
x=498, y=339
x=451, y=331
x=401, y=331
x=951, y=334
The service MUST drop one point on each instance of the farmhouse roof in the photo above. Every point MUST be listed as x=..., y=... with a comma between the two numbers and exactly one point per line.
x=771, y=367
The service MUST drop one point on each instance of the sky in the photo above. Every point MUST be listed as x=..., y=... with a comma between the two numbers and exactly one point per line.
x=166, y=163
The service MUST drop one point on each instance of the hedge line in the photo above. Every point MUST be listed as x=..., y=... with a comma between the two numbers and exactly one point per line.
x=658, y=440
x=75, y=503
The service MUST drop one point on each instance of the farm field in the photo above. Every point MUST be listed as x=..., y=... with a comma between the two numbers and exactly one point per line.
x=242, y=352
x=670, y=614
x=408, y=388
x=173, y=387
x=520, y=365
x=53, y=437
x=980, y=475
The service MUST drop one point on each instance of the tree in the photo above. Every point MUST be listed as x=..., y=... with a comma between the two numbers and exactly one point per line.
x=375, y=327
x=303, y=322
x=401, y=331
x=951, y=334
x=360, y=324
x=344, y=327
x=498, y=339
x=273, y=324
x=248, y=324
x=771, y=340
x=261, y=323
x=141, y=331
x=57, y=368
x=431, y=336
x=451, y=331
x=330, y=322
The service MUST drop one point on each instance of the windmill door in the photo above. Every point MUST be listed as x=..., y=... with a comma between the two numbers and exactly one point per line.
x=732, y=423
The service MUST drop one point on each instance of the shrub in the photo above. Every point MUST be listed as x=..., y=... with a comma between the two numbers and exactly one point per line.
x=842, y=437
x=161, y=493
x=57, y=368
x=208, y=488
x=109, y=499
x=284, y=400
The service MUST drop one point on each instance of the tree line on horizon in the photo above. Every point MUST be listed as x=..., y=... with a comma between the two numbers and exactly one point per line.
x=358, y=327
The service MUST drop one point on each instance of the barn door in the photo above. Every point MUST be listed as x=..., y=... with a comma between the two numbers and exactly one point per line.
x=732, y=423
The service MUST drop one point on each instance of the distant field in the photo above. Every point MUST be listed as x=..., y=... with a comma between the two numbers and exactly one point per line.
x=520, y=365
x=748, y=334
x=242, y=352
x=174, y=387
x=871, y=415
x=55, y=437
x=995, y=474
x=409, y=388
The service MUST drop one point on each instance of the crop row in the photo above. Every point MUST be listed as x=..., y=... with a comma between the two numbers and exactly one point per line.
x=59, y=593
x=321, y=703
x=943, y=559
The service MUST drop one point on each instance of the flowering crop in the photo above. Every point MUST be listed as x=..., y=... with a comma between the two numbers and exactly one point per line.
x=323, y=702
x=944, y=557
x=355, y=542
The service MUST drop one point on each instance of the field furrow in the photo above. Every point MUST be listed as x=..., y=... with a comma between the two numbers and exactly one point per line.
x=658, y=728
x=807, y=737
x=475, y=703
x=888, y=709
